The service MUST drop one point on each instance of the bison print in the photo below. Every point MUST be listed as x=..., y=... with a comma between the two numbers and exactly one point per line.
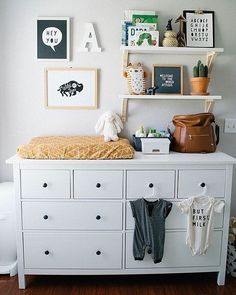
x=70, y=88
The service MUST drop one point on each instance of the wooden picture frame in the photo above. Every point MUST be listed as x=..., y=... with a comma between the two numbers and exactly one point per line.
x=199, y=28
x=71, y=88
x=53, y=38
x=168, y=79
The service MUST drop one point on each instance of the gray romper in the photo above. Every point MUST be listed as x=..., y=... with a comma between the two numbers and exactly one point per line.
x=149, y=227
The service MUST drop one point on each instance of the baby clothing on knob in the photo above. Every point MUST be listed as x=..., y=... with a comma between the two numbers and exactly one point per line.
x=200, y=219
x=149, y=229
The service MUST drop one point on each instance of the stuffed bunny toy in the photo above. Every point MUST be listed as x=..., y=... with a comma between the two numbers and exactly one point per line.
x=109, y=124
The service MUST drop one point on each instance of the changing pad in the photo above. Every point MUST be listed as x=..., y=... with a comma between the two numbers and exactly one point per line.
x=75, y=147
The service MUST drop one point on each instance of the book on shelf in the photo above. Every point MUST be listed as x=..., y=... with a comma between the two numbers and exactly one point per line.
x=128, y=14
x=133, y=31
x=136, y=23
x=138, y=19
x=147, y=39
x=125, y=32
x=152, y=27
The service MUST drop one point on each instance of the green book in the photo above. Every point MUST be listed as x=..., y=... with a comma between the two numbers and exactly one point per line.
x=151, y=19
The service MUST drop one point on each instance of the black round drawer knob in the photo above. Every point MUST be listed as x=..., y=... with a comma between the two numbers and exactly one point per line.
x=98, y=252
x=151, y=185
x=45, y=217
x=203, y=184
x=46, y=252
x=149, y=251
x=98, y=217
x=98, y=185
x=45, y=185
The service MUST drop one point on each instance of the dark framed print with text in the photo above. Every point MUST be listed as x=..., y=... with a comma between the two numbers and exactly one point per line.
x=168, y=79
x=199, y=28
x=53, y=38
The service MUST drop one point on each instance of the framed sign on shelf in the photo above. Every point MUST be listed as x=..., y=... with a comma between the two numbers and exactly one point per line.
x=53, y=38
x=168, y=79
x=199, y=28
x=71, y=88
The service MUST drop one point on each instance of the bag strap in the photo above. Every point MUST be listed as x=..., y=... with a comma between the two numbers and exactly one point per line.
x=217, y=133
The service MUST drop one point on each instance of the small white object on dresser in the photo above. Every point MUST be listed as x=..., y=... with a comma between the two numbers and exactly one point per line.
x=74, y=217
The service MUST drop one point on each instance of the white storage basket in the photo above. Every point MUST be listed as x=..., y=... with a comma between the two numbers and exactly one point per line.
x=155, y=146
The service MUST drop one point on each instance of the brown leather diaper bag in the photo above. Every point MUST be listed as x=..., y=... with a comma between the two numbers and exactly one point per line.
x=195, y=133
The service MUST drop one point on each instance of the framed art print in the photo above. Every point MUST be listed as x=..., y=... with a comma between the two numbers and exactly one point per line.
x=199, y=28
x=53, y=38
x=168, y=79
x=68, y=88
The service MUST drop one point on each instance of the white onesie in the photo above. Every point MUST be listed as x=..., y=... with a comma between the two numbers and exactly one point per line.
x=200, y=216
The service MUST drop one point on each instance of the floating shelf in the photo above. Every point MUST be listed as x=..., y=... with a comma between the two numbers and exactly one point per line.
x=171, y=97
x=208, y=100
x=171, y=50
x=210, y=53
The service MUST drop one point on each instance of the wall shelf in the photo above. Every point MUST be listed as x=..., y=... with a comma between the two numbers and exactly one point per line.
x=210, y=53
x=171, y=50
x=207, y=99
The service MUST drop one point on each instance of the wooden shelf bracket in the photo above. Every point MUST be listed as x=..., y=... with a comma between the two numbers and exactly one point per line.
x=125, y=60
x=211, y=57
x=124, y=111
x=209, y=105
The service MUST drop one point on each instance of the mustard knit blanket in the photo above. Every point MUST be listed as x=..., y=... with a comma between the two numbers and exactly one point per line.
x=75, y=147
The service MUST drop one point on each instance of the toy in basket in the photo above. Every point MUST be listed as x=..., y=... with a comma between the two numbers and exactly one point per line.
x=231, y=255
x=154, y=143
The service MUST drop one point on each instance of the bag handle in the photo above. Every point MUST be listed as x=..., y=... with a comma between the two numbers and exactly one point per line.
x=217, y=133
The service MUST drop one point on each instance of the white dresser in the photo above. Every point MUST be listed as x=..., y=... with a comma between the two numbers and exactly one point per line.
x=74, y=217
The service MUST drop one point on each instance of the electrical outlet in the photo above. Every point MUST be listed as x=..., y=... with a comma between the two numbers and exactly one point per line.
x=230, y=125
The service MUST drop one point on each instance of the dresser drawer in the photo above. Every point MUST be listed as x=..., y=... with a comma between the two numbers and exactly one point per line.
x=45, y=184
x=150, y=183
x=190, y=183
x=73, y=250
x=176, y=253
x=98, y=184
x=72, y=215
x=175, y=220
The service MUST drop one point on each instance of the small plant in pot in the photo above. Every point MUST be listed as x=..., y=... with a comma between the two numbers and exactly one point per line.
x=200, y=79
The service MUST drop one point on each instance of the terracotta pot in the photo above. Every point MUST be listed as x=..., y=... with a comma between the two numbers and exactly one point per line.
x=200, y=85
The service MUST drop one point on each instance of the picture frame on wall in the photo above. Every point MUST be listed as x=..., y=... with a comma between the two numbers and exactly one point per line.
x=168, y=79
x=53, y=38
x=71, y=88
x=199, y=28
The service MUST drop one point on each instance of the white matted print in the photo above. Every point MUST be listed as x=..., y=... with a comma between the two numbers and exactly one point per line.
x=70, y=88
x=199, y=28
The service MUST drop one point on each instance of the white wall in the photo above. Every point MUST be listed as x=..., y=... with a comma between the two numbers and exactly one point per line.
x=22, y=115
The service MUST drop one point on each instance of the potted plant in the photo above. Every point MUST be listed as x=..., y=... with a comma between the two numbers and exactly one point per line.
x=200, y=79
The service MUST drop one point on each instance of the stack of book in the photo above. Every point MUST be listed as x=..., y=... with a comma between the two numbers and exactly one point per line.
x=140, y=28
